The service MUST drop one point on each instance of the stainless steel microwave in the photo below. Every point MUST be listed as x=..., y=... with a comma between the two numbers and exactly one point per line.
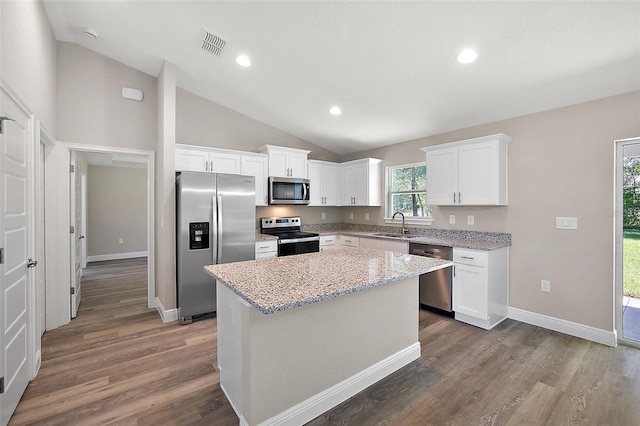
x=288, y=190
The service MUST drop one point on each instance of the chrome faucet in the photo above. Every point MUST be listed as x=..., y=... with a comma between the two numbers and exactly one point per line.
x=404, y=230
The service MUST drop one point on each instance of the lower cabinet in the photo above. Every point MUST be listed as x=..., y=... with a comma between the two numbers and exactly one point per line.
x=382, y=244
x=481, y=286
x=347, y=241
x=267, y=248
x=328, y=242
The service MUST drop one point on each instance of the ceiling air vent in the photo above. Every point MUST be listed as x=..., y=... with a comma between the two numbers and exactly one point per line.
x=213, y=43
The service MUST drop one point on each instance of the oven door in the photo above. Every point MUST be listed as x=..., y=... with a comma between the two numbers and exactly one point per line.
x=298, y=246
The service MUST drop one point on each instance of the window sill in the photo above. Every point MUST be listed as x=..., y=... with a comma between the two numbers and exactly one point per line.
x=427, y=221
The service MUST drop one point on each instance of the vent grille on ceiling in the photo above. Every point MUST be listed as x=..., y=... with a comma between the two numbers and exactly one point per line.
x=213, y=43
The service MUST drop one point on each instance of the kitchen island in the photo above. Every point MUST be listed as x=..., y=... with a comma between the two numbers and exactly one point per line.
x=298, y=335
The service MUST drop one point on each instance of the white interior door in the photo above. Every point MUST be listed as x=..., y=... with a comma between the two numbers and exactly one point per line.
x=76, y=236
x=15, y=234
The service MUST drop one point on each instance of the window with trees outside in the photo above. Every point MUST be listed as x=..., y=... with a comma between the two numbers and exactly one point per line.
x=407, y=192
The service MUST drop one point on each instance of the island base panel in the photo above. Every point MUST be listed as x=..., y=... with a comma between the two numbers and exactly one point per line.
x=290, y=366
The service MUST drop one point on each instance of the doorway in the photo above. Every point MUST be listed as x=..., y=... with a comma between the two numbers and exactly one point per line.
x=141, y=160
x=627, y=241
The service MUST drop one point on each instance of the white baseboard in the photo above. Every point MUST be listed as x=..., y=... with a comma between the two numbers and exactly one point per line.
x=321, y=402
x=167, y=315
x=597, y=335
x=117, y=256
x=37, y=363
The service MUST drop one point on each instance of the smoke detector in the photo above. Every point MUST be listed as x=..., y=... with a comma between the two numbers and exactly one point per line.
x=212, y=43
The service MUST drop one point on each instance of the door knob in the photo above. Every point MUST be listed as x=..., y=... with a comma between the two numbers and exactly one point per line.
x=81, y=237
x=31, y=263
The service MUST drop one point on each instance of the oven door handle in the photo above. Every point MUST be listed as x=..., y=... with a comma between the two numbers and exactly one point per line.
x=298, y=240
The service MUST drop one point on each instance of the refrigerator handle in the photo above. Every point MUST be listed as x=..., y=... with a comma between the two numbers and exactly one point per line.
x=214, y=231
x=219, y=230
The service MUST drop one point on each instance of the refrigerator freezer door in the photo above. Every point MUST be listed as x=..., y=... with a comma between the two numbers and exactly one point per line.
x=195, y=244
x=236, y=211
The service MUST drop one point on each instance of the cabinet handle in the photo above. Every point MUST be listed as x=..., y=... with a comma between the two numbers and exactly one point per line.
x=263, y=247
x=466, y=257
x=206, y=165
x=459, y=198
x=454, y=270
x=454, y=198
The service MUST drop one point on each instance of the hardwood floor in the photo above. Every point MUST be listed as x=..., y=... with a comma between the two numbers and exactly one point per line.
x=117, y=363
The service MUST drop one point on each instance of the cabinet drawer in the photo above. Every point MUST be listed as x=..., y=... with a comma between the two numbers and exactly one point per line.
x=470, y=257
x=328, y=240
x=349, y=241
x=266, y=246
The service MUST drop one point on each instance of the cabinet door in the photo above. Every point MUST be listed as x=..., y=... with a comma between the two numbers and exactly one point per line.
x=257, y=167
x=191, y=160
x=372, y=243
x=278, y=163
x=478, y=173
x=224, y=163
x=355, y=185
x=396, y=246
x=298, y=165
x=330, y=185
x=470, y=290
x=316, y=197
x=442, y=176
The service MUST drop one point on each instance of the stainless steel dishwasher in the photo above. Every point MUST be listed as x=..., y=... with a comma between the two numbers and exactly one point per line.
x=436, y=286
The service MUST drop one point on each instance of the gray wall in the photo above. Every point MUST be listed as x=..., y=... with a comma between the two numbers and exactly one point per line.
x=561, y=163
x=91, y=107
x=205, y=123
x=28, y=58
x=116, y=208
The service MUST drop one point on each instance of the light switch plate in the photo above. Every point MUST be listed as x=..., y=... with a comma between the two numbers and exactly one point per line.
x=324, y=215
x=545, y=286
x=470, y=220
x=452, y=218
x=351, y=215
x=366, y=216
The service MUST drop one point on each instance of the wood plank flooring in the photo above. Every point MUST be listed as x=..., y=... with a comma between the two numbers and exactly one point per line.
x=117, y=363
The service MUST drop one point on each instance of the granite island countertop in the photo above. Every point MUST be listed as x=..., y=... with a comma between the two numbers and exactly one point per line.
x=281, y=283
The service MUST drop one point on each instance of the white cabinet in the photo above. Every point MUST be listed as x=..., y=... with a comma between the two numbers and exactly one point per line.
x=328, y=242
x=468, y=173
x=256, y=165
x=266, y=249
x=383, y=244
x=201, y=159
x=286, y=162
x=324, y=183
x=480, y=286
x=347, y=241
x=361, y=182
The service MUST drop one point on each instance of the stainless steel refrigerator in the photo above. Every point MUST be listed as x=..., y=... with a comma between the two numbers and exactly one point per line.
x=215, y=223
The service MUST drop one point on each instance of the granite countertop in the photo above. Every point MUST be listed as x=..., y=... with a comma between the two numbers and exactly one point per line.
x=282, y=283
x=265, y=237
x=458, y=240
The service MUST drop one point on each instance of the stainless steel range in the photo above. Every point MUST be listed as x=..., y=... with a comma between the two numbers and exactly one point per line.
x=291, y=240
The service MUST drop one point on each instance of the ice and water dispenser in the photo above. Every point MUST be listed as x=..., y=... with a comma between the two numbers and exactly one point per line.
x=198, y=235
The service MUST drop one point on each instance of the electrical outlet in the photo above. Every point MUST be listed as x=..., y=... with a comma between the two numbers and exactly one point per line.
x=324, y=215
x=566, y=222
x=545, y=286
x=452, y=219
x=120, y=240
x=470, y=220
x=366, y=216
x=350, y=215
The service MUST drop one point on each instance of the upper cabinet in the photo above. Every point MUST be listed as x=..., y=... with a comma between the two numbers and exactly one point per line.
x=471, y=172
x=361, y=182
x=324, y=183
x=201, y=159
x=286, y=162
x=256, y=165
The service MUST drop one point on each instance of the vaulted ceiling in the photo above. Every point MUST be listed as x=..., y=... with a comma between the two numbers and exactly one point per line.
x=389, y=65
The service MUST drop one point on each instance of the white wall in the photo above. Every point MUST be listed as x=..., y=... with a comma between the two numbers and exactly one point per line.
x=117, y=209
x=561, y=163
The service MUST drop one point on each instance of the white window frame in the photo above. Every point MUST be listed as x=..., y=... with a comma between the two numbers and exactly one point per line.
x=410, y=220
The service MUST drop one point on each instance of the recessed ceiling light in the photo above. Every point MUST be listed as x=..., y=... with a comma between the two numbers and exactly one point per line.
x=334, y=110
x=243, y=61
x=467, y=56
